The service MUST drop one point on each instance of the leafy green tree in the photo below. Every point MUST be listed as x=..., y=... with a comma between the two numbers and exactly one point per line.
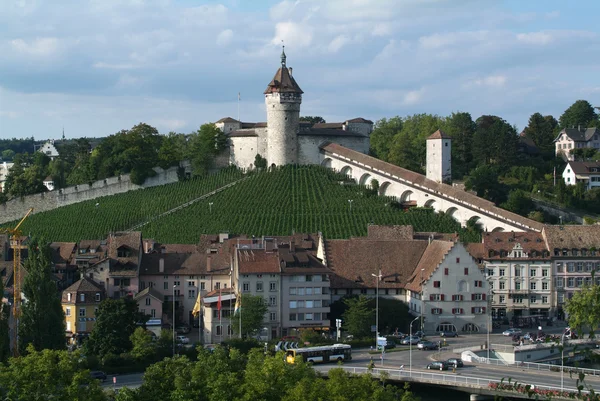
x=494, y=142
x=402, y=154
x=252, y=313
x=164, y=378
x=358, y=317
x=144, y=347
x=116, y=321
x=48, y=375
x=260, y=162
x=383, y=135
x=313, y=119
x=461, y=128
x=204, y=145
x=419, y=127
x=540, y=130
x=583, y=309
x=8, y=154
x=42, y=322
x=518, y=202
x=580, y=113
x=484, y=181
x=172, y=150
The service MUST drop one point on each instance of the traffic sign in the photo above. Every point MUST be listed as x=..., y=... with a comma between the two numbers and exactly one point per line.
x=114, y=379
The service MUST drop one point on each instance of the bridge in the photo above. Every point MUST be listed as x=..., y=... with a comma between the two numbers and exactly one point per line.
x=411, y=188
x=480, y=388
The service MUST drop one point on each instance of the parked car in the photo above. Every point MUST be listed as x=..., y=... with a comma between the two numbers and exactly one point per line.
x=448, y=334
x=420, y=334
x=438, y=365
x=183, y=340
x=512, y=332
x=414, y=340
x=455, y=362
x=98, y=375
x=423, y=345
x=183, y=329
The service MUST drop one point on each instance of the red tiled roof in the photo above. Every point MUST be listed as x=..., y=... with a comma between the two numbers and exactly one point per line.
x=444, y=190
x=572, y=237
x=62, y=251
x=84, y=286
x=432, y=257
x=439, y=134
x=197, y=263
x=227, y=120
x=328, y=125
x=283, y=82
x=353, y=261
x=496, y=242
x=359, y=120
x=252, y=261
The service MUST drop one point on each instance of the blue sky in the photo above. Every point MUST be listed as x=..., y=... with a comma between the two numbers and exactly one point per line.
x=99, y=66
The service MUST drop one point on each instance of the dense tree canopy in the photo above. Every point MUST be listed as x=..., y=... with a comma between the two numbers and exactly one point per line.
x=581, y=113
x=541, y=130
x=42, y=322
x=252, y=313
x=584, y=309
x=313, y=119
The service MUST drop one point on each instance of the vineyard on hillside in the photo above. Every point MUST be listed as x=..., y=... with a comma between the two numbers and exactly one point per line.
x=300, y=199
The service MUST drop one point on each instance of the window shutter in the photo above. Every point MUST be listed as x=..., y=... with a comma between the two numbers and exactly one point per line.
x=472, y=297
x=483, y=310
x=462, y=311
x=484, y=295
x=442, y=297
x=431, y=297
x=472, y=309
x=446, y=271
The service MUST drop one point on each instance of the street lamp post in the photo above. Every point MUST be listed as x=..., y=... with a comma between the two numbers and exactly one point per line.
x=422, y=300
x=562, y=362
x=410, y=344
x=489, y=311
x=378, y=276
x=210, y=207
x=174, y=337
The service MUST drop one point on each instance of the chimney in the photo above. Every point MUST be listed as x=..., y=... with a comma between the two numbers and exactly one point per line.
x=208, y=264
x=290, y=69
x=161, y=265
x=292, y=245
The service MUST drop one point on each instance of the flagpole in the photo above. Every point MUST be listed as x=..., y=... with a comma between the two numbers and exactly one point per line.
x=240, y=315
x=220, y=314
x=230, y=326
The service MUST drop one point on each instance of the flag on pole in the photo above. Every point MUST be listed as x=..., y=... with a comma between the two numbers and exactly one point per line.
x=219, y=302
x=197, y=306
x=238, y=303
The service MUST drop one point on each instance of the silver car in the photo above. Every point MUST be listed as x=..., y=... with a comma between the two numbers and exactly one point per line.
x=414, y=340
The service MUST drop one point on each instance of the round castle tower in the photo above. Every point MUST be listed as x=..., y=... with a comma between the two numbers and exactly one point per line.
x=283, y=97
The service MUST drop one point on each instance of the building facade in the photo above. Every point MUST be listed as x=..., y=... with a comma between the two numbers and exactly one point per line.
x=80, y=303
x=587, y=173
x=571, y=139
x=439, y=150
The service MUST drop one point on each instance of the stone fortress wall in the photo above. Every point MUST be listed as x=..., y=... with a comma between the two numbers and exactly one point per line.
x=15, y=209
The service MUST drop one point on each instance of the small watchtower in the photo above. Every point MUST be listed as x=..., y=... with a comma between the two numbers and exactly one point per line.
x=439, y=157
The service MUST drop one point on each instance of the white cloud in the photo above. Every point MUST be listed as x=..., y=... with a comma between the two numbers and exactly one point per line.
x=10, y=114
x=292, y=34
x=337, y=43
x=535, y=38
x=224, y=38
x=382, y=29
x=492, y=80
x=283, y=10
x=438, y=40
x=413, y=97
x=37, y=47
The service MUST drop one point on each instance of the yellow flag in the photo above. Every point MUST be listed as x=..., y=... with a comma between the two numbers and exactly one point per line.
x=197, y=305
x=238, y=302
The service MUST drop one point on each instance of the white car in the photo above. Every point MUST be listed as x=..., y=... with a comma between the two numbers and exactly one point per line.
x=512, y=332
x=183, y=340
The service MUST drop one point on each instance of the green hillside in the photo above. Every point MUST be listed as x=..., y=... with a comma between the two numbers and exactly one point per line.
x=290, y=199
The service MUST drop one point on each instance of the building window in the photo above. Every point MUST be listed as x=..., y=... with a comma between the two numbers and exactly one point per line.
x=191, y=283
x=165, y=285
x=272, y=301
x=532, y=272
x=457, y=311
x=293, y=304
x=478, y=283
x=570, y=267
x=457, y=297
x=202, y=286
x=559, y=266
x=559, y=282
x=97, y=297
x=309, y=304
x=308, y=316
x=300, y=316
x=292, y=317
x=532, y=286
x=544, y=286
x=68, y=312
x=517, y=272
x=82, y=297
x=259, y=286
x=219, y=330
x=478, y=310
x=501, y=272
x=457, y=260
x=533, y=299
x=81, y=311
x=246, y=287
x=502, y=285
x=502, y=299
x=309, y=291
x=191, y=293
x=517, y=285
x=436, y=311
x=148, y=301
x=571, y=282
x=436, y=297
x=273, y=286
x=217, y=286
x=518, y=299
x=544, y=272
x=292, y=290
x=436, y=284
x=544, y=299
x=477, y=297
x=445, y=271
x=272, y=316
x=153, y=312
x=466, y=271
x=579, y=281
x=300, y=290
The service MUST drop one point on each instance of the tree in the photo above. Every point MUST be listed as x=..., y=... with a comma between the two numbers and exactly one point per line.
x=583, y=309
x=260, y=162
x=42, y=322
x=48, y=375
x=358, y=317
x=518, y=202
x=252, y=314
x=143, y=345
x=580, y=113
x=313, y=119
x=461, y=128
x=401, y=153
x=164, y=378
x=204, y=145
x=484, y=181
x=383, y=135
x=172, y=150
x=494, y=142
x=8, y=154
x=540, y=130
x=116, y=320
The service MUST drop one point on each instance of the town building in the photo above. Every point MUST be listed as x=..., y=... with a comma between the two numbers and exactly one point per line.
x=587, y=173
x=217, y=315
x=49, y=183
x=80, y=303
x=570, y=139
x=283, y=138
x=63, y=267
x=150, y=302
x=439, y=149
x=575, y=252
x=518, y=268
x=49, y=149
x=4, y=170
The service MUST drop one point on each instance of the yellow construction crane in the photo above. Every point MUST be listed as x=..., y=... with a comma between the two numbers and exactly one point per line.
x=16, y=243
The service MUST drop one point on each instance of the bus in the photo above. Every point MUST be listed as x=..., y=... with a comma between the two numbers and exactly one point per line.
x=323, y=354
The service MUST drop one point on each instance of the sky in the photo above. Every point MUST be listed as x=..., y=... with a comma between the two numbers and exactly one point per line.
x=95, y=67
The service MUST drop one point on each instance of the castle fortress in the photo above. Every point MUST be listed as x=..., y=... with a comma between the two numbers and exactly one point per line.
x=284, y=139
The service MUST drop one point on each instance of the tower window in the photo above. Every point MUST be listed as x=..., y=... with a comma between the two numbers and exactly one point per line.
x=446, y=144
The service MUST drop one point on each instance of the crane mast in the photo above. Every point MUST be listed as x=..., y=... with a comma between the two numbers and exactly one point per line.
x=16, y=243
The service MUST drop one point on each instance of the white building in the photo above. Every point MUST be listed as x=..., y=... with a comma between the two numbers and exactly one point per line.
x=570, y=139
x=49, y=183
x=49, y=149
x=283, y=139
x=439, y=149
x=4, y=170
x=449, y=290
x=586, y=172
